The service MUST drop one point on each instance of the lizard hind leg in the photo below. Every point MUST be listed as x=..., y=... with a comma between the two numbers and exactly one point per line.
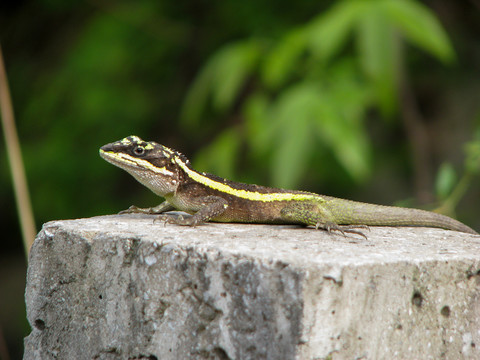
x=315, y=215
x=309, y=214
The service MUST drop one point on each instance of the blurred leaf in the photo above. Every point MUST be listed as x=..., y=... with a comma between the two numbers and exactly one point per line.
x=445, y=181
x=197, y=95
x=233, y=65
x=346, y=140
x=221, y=156
x=334, y=114
x=282, y=60
x=343, y=106
x=352, y=96
x=328, y=32
x=377, y=48
x=419, y=24
x=293, y=114
x=472, y=160
x=256, y=113
x=221, y=78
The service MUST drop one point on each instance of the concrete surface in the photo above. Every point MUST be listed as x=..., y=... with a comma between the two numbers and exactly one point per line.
x=124, y=287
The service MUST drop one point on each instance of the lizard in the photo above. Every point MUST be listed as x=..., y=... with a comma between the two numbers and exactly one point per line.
x=208, y=197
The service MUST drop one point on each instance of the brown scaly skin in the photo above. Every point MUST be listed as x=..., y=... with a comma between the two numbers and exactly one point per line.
x=210, y=198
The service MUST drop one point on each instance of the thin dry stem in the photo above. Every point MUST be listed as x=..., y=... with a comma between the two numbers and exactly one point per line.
x=22, y=196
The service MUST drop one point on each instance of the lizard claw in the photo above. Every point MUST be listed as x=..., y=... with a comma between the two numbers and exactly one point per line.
x=344, y=229
x=356, y=232
x=132, y=209
x=178, y=220
x=167, y=219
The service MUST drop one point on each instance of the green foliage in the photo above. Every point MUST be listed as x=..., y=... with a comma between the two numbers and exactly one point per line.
x=329, y=32
x=225, y=150
x=280, y=62
x=472, y=151
x=449, y=189
x=377, y=48
x=445, y=181
x=222, y=78
x=93, y=93
x=309, y=90
x=307, y=114
x=420, y=26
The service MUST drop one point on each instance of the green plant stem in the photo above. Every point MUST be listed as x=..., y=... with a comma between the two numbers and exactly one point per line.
x=19, y=180
x=449, y=205
x=4, y=355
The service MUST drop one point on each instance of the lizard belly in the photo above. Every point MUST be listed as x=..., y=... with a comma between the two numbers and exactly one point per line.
x=257, y=212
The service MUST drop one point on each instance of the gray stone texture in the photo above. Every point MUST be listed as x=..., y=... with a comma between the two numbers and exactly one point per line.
x=125, y=287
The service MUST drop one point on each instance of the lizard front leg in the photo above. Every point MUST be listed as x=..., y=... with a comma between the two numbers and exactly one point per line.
x=318, y=216
x=163, y=207
x=209, y=208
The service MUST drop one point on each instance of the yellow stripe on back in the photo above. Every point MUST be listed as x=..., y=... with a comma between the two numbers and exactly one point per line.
x=244, y=194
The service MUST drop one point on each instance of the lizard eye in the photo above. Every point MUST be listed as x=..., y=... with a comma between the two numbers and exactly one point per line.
x=139, y=150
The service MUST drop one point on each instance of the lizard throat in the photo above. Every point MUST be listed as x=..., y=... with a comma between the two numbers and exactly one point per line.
x=158, y=179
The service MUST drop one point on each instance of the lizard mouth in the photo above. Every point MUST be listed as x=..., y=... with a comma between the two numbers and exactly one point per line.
x=132, y=164
x=118, y=159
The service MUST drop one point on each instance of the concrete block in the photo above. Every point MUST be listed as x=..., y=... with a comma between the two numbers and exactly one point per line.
x=125, y=287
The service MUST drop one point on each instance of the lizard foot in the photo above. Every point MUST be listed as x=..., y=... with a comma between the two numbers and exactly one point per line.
x=177, y=220
x=165, y=218
x=344, y=229
x=132, y=210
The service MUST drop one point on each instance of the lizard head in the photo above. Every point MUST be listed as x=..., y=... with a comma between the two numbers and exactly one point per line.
x=152, y=164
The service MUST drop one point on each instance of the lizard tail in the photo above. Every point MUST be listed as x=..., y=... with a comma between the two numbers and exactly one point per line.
x=349, y=212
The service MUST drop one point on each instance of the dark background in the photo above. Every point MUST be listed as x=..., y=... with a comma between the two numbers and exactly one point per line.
x=86, y=73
